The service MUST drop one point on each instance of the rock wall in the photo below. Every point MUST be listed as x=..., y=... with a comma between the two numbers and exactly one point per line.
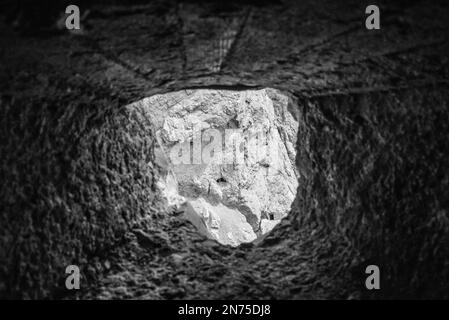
x=229, y=154
x=79, y=177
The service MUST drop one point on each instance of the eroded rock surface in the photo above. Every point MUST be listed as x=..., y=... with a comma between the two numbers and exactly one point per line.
x=227, y=157
x=79, y=174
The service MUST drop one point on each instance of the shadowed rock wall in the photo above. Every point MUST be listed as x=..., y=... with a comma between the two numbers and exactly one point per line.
x=78, y=178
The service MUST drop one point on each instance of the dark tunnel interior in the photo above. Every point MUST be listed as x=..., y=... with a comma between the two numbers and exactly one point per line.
x=80, y=171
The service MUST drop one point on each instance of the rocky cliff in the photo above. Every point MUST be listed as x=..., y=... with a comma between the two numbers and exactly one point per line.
x=229, y=154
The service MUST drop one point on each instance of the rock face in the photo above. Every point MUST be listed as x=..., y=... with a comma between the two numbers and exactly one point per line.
x=227, y=157
x=78, y=171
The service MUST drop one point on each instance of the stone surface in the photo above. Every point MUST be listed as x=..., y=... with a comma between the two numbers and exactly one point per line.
x=237, y=178
x=78, y=170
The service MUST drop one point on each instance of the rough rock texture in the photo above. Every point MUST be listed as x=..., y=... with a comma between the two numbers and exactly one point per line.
x=240, y=178
x=77, y=169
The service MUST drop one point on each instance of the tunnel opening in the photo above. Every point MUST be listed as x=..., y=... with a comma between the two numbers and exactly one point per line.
x=226, y=159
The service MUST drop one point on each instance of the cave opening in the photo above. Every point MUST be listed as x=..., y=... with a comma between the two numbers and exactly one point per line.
x=226, y=158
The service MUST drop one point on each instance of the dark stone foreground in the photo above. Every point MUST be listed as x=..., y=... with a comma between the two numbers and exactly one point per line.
x=76, y=170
